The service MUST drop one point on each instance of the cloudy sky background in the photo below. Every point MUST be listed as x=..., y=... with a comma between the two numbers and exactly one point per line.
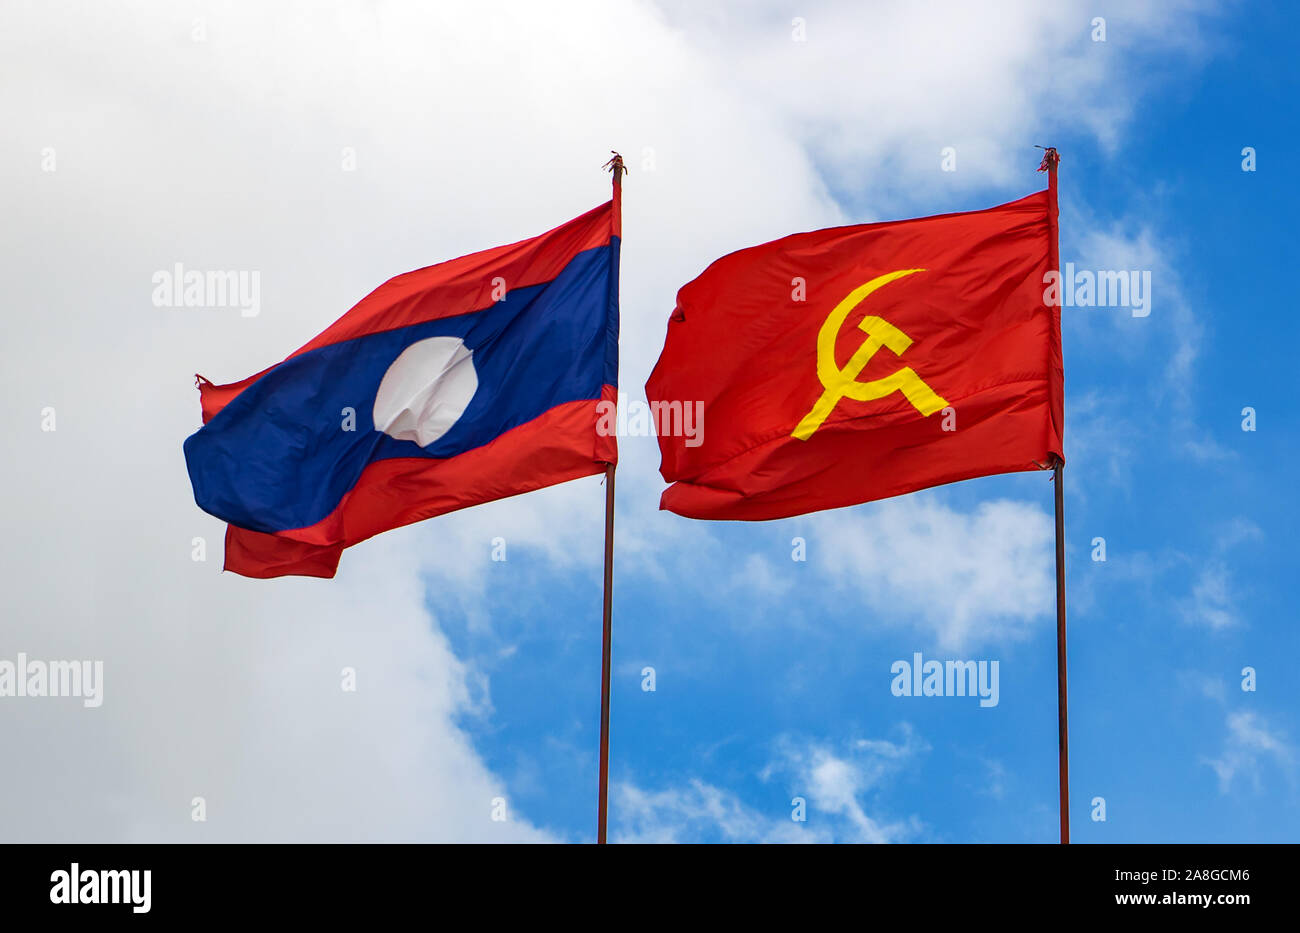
x=213, y=134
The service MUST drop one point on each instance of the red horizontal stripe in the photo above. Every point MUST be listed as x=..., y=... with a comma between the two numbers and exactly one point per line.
x=558, y=446
x=1001, y=430
x=254, y=554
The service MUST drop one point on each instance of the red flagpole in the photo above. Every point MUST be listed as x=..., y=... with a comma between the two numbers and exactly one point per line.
x=1050, y=161
x=615, y=165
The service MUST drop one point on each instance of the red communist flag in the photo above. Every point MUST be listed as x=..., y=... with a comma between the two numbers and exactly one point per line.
x=862, y=362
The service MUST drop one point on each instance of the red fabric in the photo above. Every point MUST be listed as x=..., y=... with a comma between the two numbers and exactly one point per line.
x=558, y=446
x=254, y=554
x=982, y=339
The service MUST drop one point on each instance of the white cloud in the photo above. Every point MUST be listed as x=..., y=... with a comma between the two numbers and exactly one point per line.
x=1209, y=687
x=1132, y=245
x=878, y=89
x=837, y=782
x=1213, y=600
x=1250, y=742
x=959, y=578
x=997, y=778
x=833, y=784
x=1103, y=441
x=697, y=812
x=759, y=577
x=1165, y=346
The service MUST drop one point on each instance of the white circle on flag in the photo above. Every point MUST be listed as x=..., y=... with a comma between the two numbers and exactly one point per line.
x=426, y=390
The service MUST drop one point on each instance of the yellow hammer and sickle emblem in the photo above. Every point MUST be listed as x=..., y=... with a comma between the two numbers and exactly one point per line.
x=843, y=383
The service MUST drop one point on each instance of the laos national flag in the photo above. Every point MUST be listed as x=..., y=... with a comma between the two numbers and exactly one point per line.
x=450, y=386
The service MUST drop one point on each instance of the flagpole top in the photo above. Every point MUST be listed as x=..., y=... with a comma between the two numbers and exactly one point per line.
x=616, y=166
x=1051, y=158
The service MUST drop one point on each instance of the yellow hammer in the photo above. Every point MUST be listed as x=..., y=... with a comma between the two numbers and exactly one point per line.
x=843, y=383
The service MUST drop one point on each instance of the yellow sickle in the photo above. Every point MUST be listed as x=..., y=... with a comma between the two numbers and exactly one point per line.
x=843, y=383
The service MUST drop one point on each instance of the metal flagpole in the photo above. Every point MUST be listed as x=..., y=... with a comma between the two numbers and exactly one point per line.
x=603, y=807
x=1050, y=160
x=1061, y=699
x=615, y=165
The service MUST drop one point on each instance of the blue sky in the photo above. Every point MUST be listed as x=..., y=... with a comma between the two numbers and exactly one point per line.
x=328, y=148
x=1197, y=582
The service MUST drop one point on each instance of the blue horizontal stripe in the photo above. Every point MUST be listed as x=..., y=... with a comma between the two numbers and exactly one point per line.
x=277, y=457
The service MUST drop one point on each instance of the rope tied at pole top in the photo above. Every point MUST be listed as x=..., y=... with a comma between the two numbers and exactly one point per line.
x=615, y=165
x=1052, y=463
x=1051, y=158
